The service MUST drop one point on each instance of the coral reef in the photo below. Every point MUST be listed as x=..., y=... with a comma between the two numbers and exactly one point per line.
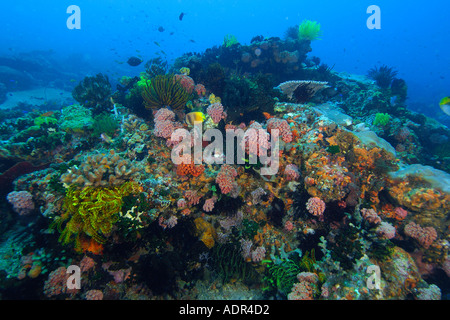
x=100, y=169
x=361, y=184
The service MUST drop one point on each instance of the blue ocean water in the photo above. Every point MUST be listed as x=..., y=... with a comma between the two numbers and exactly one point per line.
x=413, y=37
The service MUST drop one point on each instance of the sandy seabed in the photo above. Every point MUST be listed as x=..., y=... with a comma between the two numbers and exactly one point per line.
x=38, y=97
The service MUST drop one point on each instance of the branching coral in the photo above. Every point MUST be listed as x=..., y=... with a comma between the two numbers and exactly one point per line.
x=185, y=169
x=163, y=91
x=101, y=169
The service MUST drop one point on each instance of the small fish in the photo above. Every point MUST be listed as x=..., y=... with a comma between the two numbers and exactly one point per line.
x=161, y=29
x=157, y=43
x=191, y=40
x=195, y=116
x=181, y=16
x=445, y=105
x=134, y=61
x=106, y=138
x=267, y=115
x=47, y=114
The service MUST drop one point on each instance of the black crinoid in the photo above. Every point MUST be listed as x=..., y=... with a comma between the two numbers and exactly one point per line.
x=382, y=75
x=303, y=93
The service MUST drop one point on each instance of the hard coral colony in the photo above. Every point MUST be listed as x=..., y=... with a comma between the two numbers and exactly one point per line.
x=101, y=184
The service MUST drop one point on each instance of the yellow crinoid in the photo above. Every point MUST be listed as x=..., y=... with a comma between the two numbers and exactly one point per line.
x=91, y=212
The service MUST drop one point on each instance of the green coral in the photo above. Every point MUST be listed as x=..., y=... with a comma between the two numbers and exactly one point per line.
x=44, y=120
x=104, y=123
x=230, y=40
x=281, y=272
x=91, y=212
x=309, y=30
x=76, y=119
x=143, y=82
x=381, y=119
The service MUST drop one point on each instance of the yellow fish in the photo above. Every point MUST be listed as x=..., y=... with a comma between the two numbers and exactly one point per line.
x=445, y=105
x=195, y=116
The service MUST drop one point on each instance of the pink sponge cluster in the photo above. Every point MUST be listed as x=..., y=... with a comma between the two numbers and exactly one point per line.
x=164, y=129
x=370, y=215
x=256, y=140
x=225, y=178
x=385, y=230
x=192, y=197
x=306, y=288
x=200, y=89
x=315, y=206
x=425, y=236
x=283, y=126
x=56, y=283
x=215, y=111
x=208, y=206
x=164, y=114
x=22, y=202
x=165, y=123
x=186, y=82
x=291, y=172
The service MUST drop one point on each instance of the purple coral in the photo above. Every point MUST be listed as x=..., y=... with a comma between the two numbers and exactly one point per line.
x=258, y=254
x=291, y=172
x=22, y=202
x=425, y=236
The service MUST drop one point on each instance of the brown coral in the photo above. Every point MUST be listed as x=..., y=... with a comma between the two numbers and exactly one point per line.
x=101, y=169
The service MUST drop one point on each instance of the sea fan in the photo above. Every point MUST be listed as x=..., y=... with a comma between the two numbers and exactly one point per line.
x=382, y=75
